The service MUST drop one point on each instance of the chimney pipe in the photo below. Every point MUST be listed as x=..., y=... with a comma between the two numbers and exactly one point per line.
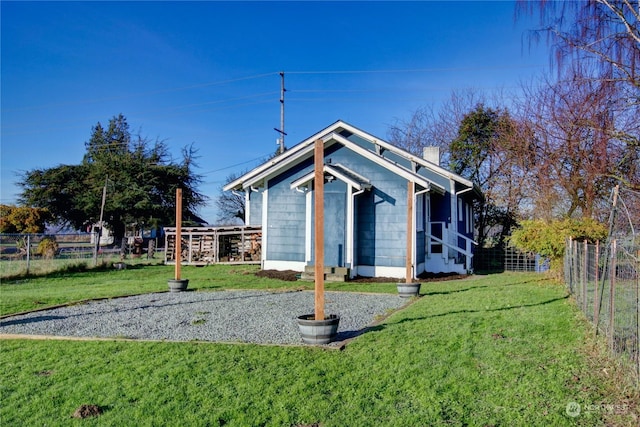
x=431, y=154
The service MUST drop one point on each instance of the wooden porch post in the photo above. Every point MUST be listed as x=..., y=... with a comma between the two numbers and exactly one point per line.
x=410, y=190
x=178, y=232
x=318, y=157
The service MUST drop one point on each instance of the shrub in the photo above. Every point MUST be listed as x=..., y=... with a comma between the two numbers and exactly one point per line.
x=549, y=238
x=48, y=247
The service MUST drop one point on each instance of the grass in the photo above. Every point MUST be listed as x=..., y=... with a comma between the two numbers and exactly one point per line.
x=508, y=349
x=15, y=268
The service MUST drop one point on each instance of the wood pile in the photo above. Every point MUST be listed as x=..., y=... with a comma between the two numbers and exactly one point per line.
x=202, y=246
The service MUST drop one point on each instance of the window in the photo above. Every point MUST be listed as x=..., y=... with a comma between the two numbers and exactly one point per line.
x=420, y=212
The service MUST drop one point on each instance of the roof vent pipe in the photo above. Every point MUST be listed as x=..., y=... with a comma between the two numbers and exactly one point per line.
x=431, y=154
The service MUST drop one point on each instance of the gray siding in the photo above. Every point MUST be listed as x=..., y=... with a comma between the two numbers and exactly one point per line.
x=381, y=214
x=286, y=221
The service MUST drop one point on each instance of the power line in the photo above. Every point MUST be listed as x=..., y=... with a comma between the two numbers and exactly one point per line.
x=237, y=164
x=257, y=76
x=133, y=95
x=75, y=124
x=414, y=70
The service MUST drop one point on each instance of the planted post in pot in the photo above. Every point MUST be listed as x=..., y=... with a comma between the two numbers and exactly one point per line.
x=177, y=284
x=408, y=288
x=318, y=328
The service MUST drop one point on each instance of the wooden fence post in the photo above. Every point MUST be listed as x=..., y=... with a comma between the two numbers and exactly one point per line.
x=585, y=265
x=596, y=294
x=28, y=252
x=612, y=290
x=638, y=316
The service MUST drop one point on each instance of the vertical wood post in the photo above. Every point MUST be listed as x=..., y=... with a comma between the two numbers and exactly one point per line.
x=575, y=265
x=178, y=245
x=612, y=294
x=318, y=156
x=28, y=252
x=409, y=263
x=638, y=317
x=596, y=293
x=585, y=276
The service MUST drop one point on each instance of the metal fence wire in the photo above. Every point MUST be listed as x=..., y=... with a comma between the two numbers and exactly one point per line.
x=605, y=281
x=501, y=258
x=44, y=253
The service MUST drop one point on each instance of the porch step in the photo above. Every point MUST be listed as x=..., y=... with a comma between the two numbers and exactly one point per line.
x=331, y=274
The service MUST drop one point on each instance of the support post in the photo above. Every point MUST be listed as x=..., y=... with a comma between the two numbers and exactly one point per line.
x=612, y=295
x=409, y=261
x=319, y=228
x=104, y=199
x=28, y=253
x=178, y=244
x=585, y=276
x=596, y=293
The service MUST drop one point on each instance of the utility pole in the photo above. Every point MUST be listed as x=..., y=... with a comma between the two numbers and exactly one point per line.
x=281, y=130
x=104, y=199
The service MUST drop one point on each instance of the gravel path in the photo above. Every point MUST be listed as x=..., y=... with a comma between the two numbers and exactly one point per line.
x=225, y=316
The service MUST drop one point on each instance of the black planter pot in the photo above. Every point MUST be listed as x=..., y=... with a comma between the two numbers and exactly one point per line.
x=318, y=331
x=178, y=285
x=408, y=290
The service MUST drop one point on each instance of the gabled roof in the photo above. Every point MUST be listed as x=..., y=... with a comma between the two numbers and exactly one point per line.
x=336, y=134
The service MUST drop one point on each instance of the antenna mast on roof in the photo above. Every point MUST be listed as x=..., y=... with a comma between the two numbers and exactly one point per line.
x=281, y=130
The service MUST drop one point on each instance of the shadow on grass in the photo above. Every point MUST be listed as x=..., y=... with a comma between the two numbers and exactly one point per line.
x=454, y=291
x=349, y=335
x=489, y=310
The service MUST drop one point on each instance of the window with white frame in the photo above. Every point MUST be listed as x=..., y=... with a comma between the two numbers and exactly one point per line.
x=420, y=212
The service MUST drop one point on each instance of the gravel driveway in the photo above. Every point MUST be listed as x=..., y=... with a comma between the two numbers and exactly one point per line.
x=224, y=316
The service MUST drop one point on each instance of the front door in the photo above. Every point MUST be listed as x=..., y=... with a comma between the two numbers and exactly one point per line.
x=335, y=209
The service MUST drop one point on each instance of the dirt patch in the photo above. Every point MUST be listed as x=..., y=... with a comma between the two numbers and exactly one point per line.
x=287, y=275
x=86, y=411
x=292, y=276
x=422, y=278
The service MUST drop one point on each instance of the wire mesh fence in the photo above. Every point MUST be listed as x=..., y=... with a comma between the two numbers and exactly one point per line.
x=605, y=280
x=499, y=259
x=35, y=254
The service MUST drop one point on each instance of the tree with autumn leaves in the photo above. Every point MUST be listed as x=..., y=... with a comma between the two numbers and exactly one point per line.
x=23, y=219
x=554, y=154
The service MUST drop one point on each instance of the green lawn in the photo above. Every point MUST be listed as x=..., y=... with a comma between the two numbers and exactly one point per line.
x=498, y=350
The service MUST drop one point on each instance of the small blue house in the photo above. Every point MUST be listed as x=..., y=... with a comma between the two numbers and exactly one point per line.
x=366, y=205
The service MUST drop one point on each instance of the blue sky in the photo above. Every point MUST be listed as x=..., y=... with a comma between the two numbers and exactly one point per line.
x=207, y=73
